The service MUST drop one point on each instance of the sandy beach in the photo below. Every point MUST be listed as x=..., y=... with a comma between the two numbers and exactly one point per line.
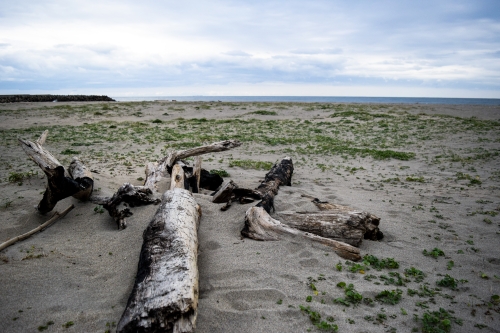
x=430, y=172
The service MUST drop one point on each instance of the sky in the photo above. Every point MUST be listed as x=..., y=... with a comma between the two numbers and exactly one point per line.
x=251, y=48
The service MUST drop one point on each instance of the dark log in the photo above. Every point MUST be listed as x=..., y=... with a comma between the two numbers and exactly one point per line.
x=280, y=174
x=165, y=293
x=259, y=225
x=126, y=194
x=60, y=185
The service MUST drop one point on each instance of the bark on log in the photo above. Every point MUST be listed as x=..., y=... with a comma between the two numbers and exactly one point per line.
x=79, y=172
x=346, y=226
x=60, y=185
x=280, y=174
x=259, y=225
x=165, y=294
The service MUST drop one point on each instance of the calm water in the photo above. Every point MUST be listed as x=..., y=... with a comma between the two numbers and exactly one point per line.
x=316, y=99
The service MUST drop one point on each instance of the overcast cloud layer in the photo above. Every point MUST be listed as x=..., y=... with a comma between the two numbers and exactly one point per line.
x=322, y=48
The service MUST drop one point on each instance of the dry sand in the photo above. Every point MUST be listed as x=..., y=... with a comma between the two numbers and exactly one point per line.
x=81, y=269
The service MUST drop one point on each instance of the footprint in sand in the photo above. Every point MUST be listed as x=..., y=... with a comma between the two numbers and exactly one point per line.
x=243, y=300
x=309, y=262
x=212, y=245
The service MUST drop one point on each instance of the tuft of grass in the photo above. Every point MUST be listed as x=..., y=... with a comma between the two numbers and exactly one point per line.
x=351, y=295
x=417, y=274
x=264, y=113
x=379, y=264
x=220, y=172
x=315, y=318
x=437, y=321
x=18, y=177
x=389, y=297
x=70, y=152
x=448, y=282
x=435, y=253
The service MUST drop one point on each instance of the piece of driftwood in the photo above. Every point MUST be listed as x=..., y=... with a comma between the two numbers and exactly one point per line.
x=259, y=225
x=41, y=227
x=350, y=226
x=60, y=184
x=127, y=194
x=165, y=293
x=280, y=174
x=196, y=174
x=155, y=171
x=336, y=221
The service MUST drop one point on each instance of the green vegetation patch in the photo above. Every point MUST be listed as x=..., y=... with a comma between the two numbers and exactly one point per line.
x=251, y=164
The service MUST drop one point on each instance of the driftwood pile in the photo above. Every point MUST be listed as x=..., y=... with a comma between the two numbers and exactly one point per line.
x=165, y=294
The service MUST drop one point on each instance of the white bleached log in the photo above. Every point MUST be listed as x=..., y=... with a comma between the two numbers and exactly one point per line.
x=165, y=294
x=348, y=226
x=259, y=225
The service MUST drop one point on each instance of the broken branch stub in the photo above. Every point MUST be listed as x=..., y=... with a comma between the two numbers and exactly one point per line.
x=165, y=293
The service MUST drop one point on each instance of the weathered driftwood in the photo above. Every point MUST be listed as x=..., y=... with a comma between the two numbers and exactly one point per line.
x=165, y=293
x=280, y=174
x=196, y=174
x=259, y=225
x=127, y=194
x=79, y=172
x=178, y=179
x=45, y=225
x=155, y=171
x=350, y=227
x=60, y=185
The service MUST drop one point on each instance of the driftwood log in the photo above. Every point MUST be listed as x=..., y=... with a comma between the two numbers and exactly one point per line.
x=280, y=174
x=165, y=293
x=155, y=171
x=60, y=183
x=348, y=226
x=259, y=225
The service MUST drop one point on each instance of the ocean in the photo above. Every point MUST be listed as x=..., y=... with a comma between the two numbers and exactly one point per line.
x=318, y=99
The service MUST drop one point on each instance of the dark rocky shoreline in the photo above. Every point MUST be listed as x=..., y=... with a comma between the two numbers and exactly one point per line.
x=54, y=98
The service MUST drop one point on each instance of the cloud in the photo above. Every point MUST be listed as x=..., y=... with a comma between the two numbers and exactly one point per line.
x=132, y=44
x=237, y=53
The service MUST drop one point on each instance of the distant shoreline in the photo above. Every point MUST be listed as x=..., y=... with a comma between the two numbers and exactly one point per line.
x=54, y=98
x=316, y=99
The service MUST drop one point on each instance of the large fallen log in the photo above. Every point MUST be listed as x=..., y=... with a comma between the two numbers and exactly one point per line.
x=259, y=225
x=60, y=184
x=348, y=226
x=165, y=293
